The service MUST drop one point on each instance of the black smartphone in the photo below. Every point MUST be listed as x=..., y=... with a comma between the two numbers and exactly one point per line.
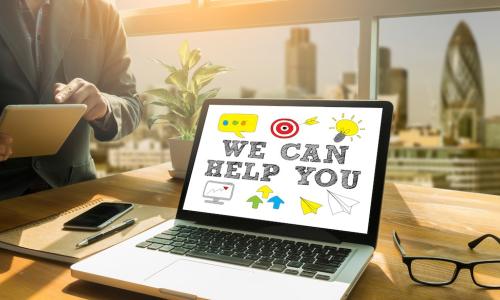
x=98, y=216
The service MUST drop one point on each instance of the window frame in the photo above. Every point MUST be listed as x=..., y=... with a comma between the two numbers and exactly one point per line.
x=206, y=15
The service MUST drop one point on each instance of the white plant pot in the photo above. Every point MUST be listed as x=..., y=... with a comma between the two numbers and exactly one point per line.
x=180, y=151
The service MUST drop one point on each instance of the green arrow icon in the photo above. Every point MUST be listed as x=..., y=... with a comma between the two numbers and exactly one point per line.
x=255, y=201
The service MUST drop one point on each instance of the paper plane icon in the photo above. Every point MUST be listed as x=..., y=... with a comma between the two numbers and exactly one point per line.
x=309, y=206
x=340, y=203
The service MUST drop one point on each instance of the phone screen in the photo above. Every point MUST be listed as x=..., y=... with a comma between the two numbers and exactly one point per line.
x=97, y=215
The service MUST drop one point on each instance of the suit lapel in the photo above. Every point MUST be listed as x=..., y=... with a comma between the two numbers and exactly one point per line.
x=64, y=17
x=11, y=31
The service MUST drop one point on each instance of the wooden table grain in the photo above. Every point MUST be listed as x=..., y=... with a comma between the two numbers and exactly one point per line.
x=429, y=222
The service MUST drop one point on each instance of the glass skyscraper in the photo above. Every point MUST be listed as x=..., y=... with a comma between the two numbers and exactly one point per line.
x=462, y=97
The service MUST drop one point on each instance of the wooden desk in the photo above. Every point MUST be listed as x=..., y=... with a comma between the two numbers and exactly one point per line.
x=429, y=222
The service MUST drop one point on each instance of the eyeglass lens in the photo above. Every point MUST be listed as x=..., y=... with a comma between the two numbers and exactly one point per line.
x=433, y=271
x=487, y=274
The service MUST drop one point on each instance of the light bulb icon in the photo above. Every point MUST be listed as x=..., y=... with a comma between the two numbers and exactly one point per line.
x=346, y=128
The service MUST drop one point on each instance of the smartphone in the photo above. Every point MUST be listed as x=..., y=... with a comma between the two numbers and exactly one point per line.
x=98, y=216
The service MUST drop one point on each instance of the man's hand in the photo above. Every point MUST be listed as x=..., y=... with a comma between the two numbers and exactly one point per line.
x=81, y=91
x=5, y=146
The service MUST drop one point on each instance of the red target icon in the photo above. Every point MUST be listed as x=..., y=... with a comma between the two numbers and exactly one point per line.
x=284, y=128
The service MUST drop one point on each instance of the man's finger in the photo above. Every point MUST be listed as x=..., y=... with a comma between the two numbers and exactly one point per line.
x=66, y=93
x=58, y=88
x=81, y=95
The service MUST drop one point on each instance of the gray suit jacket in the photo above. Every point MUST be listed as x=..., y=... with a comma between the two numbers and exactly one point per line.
x=85, y=39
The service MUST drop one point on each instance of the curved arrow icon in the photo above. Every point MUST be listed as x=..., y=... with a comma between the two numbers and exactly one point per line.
x=265, y=190
x=255, y=201
x=277, y=201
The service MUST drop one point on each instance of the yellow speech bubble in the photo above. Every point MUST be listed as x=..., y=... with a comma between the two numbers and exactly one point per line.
x=238, y=123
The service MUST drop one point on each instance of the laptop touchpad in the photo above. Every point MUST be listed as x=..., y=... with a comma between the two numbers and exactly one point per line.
x=199, y=278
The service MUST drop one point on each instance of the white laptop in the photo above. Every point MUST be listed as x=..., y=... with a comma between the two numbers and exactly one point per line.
x=281, y=200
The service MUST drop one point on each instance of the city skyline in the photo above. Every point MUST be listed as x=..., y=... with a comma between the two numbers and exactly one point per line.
x=417, y=44
x=426, y=68
x=303, y=60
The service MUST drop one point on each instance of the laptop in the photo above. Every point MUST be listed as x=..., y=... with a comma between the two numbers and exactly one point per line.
x=281, y=200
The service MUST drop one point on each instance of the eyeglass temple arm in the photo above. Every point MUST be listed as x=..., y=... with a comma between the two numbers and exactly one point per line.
x=474, y=243
x=397, y=242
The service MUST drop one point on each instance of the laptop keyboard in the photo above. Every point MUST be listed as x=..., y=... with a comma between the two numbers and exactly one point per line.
x=273, y=254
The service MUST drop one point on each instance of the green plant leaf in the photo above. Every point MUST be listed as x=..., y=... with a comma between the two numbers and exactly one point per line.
x=170, y=68
x=193, y=87
x=207, y=95
x=190, y=100
x=187, y=134
x=152, y=120
x=206, y=73
x=183, y=98
x=194, y=58
x=172, y=121
x=160, y=93
x=194, y=118
x=179, y=79
x=184, y=54
x=158, y=103
x=163, y=97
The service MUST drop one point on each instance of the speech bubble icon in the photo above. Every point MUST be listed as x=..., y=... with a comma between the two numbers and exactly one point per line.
x=238, y=123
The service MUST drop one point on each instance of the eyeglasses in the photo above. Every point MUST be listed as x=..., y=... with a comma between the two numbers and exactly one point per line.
x=438, y=271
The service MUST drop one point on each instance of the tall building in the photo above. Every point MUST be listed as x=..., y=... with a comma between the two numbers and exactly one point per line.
x=300, y=64
x=462, y=97
x=392, y=86
x=393, y=81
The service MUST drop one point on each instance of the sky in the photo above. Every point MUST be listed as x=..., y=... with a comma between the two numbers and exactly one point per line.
x=256, y=56
x=418, y=44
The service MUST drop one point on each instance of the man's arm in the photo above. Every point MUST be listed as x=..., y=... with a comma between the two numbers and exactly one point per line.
x=112, y=107
x=117, y=84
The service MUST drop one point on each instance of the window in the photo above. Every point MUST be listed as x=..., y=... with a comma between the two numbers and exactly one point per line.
x=257, y=58
x=442, y=73
x=300, y=61
x=361, y=46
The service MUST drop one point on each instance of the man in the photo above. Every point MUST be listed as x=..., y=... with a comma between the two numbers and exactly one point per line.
x=64, y=51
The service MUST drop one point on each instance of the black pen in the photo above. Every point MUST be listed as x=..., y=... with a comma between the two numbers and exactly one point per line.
x=99, y=236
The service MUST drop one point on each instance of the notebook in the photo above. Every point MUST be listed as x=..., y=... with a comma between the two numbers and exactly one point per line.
x=47, y=239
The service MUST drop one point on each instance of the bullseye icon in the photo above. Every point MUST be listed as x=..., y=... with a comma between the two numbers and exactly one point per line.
x=284, y=128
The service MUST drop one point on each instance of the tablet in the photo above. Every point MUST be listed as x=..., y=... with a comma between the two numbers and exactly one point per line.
x=40, y=129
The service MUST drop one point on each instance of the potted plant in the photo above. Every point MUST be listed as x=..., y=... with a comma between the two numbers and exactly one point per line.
x=183, y=97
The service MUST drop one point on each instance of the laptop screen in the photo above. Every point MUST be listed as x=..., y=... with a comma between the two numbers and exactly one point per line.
x=301, y=165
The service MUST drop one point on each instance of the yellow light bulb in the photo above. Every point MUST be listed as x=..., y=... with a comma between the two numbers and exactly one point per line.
x=345, y=127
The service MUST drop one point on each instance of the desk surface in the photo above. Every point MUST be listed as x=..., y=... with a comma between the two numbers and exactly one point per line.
x=429, y=222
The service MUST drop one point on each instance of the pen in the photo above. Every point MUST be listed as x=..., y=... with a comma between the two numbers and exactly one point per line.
x=103, y=234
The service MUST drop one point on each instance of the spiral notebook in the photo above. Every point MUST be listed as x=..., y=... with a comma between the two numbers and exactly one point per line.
x=47, y=239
